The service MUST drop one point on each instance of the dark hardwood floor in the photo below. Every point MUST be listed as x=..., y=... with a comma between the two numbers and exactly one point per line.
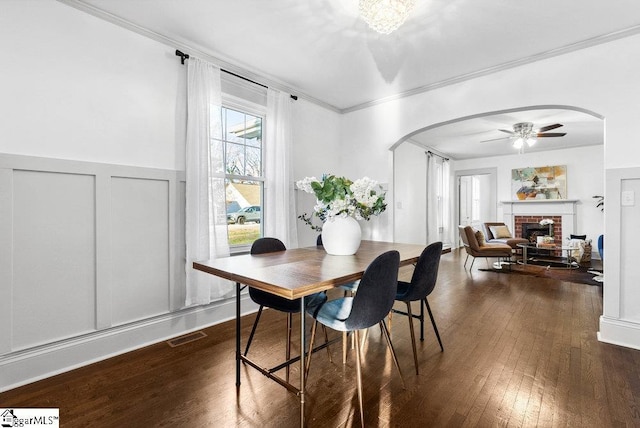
x=519, y=351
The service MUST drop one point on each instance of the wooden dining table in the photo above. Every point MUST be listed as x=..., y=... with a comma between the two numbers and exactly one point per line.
x=293, y=274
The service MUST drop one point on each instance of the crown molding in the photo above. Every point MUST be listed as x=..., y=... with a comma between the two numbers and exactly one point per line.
x=587, y=43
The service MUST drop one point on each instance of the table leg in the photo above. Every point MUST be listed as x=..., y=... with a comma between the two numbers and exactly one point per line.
x=524, y=255
x=302, y=359
x=238, y=334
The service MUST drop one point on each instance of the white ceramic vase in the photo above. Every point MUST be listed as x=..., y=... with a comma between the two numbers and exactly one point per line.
x=341, y=236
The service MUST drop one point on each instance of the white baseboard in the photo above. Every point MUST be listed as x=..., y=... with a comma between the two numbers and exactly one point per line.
x=23, y=367
x=618, y=332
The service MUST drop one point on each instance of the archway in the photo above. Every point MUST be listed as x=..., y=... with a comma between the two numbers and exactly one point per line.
x=583, y=127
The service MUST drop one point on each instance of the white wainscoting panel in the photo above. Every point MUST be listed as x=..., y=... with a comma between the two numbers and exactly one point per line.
x=53, y=256
x=180, y=257
x=92, y=264
x=6, y=259
x=140, y=280
x=620, y=321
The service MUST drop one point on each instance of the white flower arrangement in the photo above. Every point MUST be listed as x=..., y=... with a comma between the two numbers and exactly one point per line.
x=546, y=222
x=341, y=197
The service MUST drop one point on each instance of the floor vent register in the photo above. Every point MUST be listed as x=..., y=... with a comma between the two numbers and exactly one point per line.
x=187, y=338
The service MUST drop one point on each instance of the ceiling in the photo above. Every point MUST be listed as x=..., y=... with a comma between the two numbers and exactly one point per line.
x=321, y=50
x=465, y=139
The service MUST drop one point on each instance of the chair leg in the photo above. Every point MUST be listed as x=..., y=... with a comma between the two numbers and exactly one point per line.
x=326, y=341
x=313, y=338
x=253, y=330
x=363, y=339
x=421, y=318
x=359, y=377
x=383, y=326
x=353, y=341
x=472, y=262
x=288, y=347
x=433, y=322
x=465, y=261
x=413, y=336
x=345, y=341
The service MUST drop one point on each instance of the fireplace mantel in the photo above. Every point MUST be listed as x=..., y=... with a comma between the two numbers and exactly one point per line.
x=566, y=208
x=539, y=201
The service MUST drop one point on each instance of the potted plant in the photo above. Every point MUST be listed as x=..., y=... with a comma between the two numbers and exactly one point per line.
x=599, y=202
x=339, y=203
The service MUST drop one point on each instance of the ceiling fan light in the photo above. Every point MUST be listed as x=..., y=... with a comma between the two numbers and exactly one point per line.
x=385, y=16
x=531, y=141
x=518, y=143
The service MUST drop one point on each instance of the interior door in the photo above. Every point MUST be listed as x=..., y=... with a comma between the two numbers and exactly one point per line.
x=465, y=190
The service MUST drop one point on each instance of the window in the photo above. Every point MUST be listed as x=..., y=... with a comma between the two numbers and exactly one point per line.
x=242, y=133
x=475, y=199
x=440, y=196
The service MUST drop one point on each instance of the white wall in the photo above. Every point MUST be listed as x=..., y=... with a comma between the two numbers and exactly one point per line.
x=316, y=145
x=585, y=178
x=101, y=109
x=75, y=87
x=409, y=203
x=601, y=79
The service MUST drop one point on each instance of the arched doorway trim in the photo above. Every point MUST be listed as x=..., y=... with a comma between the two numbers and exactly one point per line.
x=491, y=113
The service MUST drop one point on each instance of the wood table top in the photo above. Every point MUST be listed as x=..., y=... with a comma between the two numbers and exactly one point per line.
x=303, y=271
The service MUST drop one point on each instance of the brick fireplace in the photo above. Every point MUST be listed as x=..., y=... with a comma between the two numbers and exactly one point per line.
x=561, y=211
x=521, y=223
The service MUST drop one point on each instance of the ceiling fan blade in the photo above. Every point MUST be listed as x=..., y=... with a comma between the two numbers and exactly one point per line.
x=552, y=134
x=507, y=131
x=550, y=127
x=495, y=139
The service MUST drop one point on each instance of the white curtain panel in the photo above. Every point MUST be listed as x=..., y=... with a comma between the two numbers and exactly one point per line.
x=447, y=212
x=280, y=208
x=206, y=220
x=433, y=233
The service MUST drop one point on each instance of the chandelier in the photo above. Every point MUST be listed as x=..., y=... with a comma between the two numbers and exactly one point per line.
x=385, y=16
x=523, y=133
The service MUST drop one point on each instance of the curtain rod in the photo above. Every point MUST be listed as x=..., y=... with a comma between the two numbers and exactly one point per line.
x=429, y=152
x=184, y=56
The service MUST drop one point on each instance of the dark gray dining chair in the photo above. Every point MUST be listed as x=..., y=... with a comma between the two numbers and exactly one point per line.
x=422, y=284
x=370, y=305
x=264, y=299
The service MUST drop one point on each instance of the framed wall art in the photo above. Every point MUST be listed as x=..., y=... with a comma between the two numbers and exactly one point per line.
x=543, y=182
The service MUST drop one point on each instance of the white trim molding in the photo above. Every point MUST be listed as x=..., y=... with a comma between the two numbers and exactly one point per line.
x=620, y=321
x=619, y=332
x=23, y=367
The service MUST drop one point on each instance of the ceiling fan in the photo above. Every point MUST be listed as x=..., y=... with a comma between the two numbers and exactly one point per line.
x=524, y=132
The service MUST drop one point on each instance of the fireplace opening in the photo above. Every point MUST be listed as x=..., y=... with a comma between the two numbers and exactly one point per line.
x=533, y=226
x=531, y=231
